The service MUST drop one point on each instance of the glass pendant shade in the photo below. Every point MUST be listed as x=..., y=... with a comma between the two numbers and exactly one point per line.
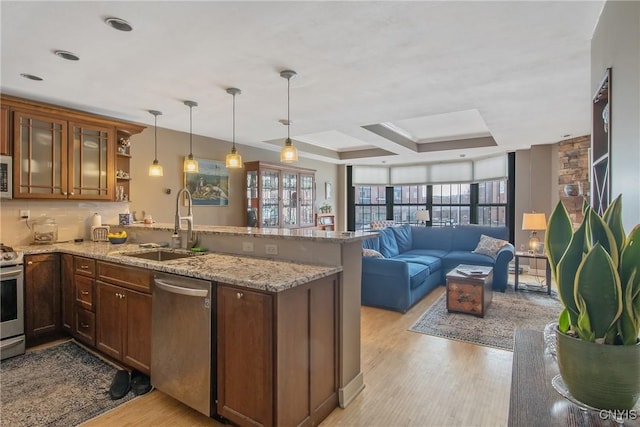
x=190, y=164
x=289, y=153
x=155, y=169
x=233, y=159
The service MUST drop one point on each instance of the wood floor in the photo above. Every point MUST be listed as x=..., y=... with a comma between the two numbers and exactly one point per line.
x=411, y=379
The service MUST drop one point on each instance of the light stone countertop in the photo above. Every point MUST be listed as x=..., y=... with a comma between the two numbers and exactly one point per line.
x=308, y=234
x=250, y=272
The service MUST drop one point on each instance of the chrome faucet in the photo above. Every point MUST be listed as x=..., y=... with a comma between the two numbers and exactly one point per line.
x=191, y=235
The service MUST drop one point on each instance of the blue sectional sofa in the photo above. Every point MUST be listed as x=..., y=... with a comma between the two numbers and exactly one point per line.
x=414, y=260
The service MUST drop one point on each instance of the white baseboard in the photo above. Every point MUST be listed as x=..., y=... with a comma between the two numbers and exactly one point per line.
x=347, y=393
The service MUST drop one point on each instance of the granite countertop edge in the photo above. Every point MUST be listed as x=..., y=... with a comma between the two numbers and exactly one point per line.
x=308, y=234
x=255, y=273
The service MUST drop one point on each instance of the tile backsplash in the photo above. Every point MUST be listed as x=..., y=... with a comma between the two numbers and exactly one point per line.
x=73, y=218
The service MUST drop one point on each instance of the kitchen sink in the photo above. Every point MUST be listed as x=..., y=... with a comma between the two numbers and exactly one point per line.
x=160, y=255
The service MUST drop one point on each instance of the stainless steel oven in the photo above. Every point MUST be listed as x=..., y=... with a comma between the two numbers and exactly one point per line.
x=12, y=341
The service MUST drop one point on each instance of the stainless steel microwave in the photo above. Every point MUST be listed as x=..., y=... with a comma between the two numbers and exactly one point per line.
x=6, y=177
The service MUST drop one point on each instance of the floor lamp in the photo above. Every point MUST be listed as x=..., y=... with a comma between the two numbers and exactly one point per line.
x=534, y=222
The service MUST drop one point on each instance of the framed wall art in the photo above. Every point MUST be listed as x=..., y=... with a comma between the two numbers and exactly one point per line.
x=210, y=185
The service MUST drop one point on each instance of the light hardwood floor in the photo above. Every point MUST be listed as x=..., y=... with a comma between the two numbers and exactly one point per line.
x=411, y=379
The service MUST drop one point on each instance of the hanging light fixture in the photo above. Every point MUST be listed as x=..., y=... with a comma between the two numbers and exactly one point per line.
x=190, y=164
x=289, y=153
x=155, y=169
x=233, y=159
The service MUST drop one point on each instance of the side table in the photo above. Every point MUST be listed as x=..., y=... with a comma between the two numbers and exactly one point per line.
x=519, y=255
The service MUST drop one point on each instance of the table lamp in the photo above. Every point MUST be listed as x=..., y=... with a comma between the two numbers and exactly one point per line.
x=423, y=216
x=534, y=222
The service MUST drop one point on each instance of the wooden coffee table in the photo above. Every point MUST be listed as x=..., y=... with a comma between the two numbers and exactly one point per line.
x=467, y=293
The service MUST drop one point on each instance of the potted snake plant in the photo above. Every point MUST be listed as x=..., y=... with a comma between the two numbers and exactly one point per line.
x=597, y=270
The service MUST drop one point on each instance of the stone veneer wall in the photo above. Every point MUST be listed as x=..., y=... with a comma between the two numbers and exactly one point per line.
x=573, y=168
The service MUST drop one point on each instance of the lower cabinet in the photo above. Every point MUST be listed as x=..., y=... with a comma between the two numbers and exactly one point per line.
x=68, y=290
x=42, y=297
x=277, y=354
x=123, y=317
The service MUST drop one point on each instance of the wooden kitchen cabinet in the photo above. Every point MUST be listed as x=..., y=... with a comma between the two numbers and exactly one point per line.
x=123, y=315
x=5, y=129
x=278, y=196
x=68, y=291
x=277, y=354
x=60, y=153
x=42, y=297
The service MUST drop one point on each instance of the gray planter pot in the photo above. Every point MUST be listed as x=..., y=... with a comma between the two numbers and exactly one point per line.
x=601, y=376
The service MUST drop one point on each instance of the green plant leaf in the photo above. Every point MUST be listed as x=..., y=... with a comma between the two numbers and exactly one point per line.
x=630, y=260
x=597, y=284
x=585, y=205
x=628, y=324
x=583, y=325
x=558, y=236
x=563, y=321
x=567, y=270
x=598, y=232
x=613, y=218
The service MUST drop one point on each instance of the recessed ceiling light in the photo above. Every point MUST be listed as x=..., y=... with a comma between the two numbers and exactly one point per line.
x=31, y=77
x=118, y=24
x=67, y=55
x=463, y=155
x=567, y=135
x=285, y=122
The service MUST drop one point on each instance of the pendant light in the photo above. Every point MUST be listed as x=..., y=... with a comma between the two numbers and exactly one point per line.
x=233, y=159
x=289, y=153
x=155, y=169
x=190, y=164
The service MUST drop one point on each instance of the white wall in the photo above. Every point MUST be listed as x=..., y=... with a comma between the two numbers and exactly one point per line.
x=616, y=44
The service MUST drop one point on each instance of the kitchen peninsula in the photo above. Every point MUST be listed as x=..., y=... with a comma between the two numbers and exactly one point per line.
x=304, y=257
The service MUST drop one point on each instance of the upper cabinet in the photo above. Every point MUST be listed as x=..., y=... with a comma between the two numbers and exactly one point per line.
x=5, y=146
x=65, y=154
x=278, y=196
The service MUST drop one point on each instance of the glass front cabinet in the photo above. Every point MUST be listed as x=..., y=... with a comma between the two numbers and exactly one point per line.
x=279, y=196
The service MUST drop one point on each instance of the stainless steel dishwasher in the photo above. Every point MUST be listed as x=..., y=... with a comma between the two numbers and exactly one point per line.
x=182, y=348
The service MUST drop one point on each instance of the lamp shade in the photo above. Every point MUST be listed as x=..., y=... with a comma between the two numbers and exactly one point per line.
x=423, y=216
x=289, y=153
x=534, y=221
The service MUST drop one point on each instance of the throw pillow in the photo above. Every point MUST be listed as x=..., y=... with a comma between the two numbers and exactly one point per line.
x=489, y=246
x=371, y=253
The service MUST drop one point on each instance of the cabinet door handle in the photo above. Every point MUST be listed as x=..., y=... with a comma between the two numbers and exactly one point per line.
x=72, y=193
x=240, y=295
x=84, y=292
x=84, y=325
x=64, y=193
x=29, y=262
x=84, y=267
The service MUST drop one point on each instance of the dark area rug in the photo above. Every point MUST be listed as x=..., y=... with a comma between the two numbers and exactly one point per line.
x=508, y=310
x=63, y=385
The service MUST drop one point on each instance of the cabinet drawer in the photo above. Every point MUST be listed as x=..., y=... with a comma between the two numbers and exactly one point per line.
x=138, y=279
x=86, y=266
x=85, y=326
x=84, y=292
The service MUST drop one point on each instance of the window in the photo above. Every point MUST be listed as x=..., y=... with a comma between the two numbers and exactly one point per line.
x=492, y=203
x=370, y=205
x=407, y=199
x=451, y=204
x=483, y=203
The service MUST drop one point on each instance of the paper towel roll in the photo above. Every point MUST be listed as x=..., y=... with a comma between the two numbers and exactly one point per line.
x=96, y=221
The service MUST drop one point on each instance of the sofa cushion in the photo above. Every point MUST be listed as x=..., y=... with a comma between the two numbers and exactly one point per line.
x=434, y=263
x=372, y=243
x=453, y=258
x=466, y=237
x=417, y=274
x=403, y=237
x=440, y=238
x=489, y=246
x=380, y=224
x=388, y=244
x=371, y=253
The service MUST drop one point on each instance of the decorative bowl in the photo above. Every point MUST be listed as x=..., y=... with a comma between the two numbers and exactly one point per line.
x=117, y=240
